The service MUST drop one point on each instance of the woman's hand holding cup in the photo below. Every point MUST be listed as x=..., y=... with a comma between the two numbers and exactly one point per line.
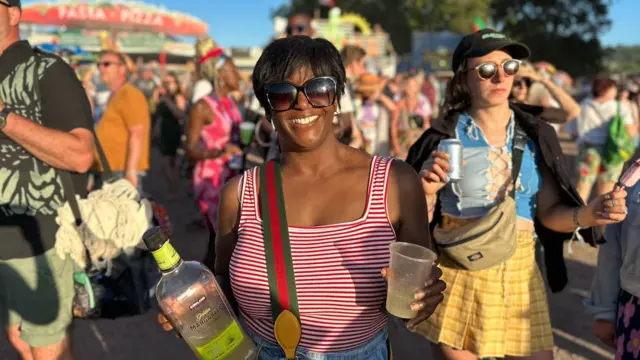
x=428, y=298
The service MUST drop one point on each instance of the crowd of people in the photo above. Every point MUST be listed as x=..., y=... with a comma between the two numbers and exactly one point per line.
x=361, y=167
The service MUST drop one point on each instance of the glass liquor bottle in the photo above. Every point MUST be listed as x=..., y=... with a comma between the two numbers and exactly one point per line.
x=192, y=300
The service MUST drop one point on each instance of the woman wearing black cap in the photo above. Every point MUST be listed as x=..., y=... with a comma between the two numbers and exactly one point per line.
x=495, y=302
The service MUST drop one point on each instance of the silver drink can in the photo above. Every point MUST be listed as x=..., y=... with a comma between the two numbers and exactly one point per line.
x=454, y=148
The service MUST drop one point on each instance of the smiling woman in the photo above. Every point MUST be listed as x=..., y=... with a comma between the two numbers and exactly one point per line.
x=343, y=208
x=304, y=86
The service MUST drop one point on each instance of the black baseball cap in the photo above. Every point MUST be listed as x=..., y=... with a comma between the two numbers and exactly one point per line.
x=483, y=42
x=15, y=3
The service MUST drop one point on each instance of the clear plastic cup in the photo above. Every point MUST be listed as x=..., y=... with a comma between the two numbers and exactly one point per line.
x=409, y=269
x=247, y=130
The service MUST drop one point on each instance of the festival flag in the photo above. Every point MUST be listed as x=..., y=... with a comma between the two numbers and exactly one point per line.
x=478, y=24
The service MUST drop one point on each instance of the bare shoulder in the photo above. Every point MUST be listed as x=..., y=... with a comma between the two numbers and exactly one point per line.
x=404, y=192
x=200, y=105
x=200, y=110
x=355, y=160
x=229, y=205
x=230, y=191
x=403, y=175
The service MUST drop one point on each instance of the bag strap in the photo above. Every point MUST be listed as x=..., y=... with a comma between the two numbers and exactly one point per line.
x=65, y=176
x=598, y=113
x=277, y=247
x=519, y=145
x=108, y=173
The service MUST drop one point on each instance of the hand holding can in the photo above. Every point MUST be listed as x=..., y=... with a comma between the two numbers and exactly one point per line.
x=453, y=148
x=434, y=173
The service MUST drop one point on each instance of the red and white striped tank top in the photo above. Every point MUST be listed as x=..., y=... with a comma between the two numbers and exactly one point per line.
x=341, y=293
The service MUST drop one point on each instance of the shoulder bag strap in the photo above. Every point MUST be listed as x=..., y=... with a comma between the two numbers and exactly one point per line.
x=598, y=113
x=65, y=176
x=282, y=285
x=519, y=145
x=108, y=173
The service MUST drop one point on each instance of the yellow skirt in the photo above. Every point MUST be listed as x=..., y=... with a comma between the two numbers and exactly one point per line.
x=494, y=312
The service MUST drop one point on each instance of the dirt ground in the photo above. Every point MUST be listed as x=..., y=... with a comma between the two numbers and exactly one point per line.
x=140, y=337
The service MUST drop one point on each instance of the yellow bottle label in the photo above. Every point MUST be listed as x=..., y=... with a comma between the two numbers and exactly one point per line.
x=223, y=344
x=166, y=257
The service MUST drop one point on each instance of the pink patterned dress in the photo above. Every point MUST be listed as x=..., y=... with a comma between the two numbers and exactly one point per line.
x=210, y=175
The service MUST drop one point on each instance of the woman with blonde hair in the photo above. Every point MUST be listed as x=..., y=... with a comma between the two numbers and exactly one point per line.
x=213, y=131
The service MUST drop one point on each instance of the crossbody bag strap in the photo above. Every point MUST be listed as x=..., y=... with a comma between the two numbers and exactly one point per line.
x=108, y=173
x=519, y=145
x=598, y=113
x=282, y=285
x=65, y=176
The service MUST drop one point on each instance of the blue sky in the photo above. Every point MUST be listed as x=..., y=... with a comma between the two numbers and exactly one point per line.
x=247, y=22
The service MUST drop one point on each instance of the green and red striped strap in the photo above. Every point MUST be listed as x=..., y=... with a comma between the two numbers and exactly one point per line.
x=282, y=284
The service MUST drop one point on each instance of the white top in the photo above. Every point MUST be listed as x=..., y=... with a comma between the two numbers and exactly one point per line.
x=595, y=119
x=201, y=89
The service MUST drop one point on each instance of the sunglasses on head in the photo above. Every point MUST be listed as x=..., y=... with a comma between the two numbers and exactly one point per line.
x=488, y=70
x=5, y=4
x=319, y=91
x=296, y=29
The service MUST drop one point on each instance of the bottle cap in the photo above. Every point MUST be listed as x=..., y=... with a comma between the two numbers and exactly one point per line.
x=154, y=238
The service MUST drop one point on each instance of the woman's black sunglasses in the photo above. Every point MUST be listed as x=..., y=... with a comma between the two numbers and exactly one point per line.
x=319, y=91
x=488, y=70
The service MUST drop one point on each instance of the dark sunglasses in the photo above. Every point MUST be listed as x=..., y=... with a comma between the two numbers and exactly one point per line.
x=488, y=70
x=319, y=91
x=107, y=63
x=5, y=4
x=296, y=29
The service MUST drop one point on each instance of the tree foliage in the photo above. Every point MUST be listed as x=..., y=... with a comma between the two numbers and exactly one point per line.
x=623, y=59
x=401, y=17
x=562, y=32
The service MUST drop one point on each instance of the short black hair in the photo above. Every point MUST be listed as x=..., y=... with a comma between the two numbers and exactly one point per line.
x=284, y=56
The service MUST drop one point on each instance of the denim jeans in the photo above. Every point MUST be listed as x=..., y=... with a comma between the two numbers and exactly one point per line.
x=375, y=349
